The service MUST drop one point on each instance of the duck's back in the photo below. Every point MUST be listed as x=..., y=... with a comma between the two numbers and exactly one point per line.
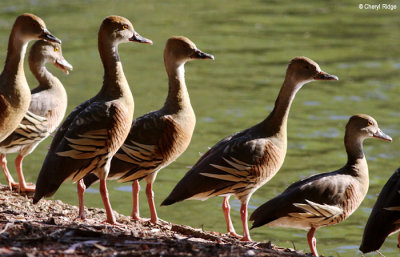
x=315, y=201
x=154, y=141
x=238, y=165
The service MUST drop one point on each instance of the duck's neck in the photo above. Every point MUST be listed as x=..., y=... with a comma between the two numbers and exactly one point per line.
x=115, y=84
x=14, y=66
x=356, y=163
x=45, y=78
x=178, y=96
x=276, y=122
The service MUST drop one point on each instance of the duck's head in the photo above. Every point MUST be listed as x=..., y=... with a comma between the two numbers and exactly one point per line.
x=31, y=27
x=302, y=70
x=43, y=51
x=179, y=50
x=364, y=126
x=117, y=29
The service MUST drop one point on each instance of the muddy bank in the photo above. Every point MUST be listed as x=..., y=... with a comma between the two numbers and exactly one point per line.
x=48, y=228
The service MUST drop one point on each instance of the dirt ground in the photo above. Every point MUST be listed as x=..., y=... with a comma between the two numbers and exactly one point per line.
x=49, y=229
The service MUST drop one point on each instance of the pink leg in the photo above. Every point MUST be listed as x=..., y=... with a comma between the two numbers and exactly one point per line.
x=135, y=195
x=226, y=208
x=81, y=189
x=106, y=201
x=312, y=242
x=243, y=216
x=23, y=187
x=150, y=200
x=10, y=180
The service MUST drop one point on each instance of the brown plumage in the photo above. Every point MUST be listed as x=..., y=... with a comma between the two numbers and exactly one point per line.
x=241, y=163
x=14, y=90
x=385, y=216
x=46, y=110
x=158, y=138
x=93, y=132
x=327, y=198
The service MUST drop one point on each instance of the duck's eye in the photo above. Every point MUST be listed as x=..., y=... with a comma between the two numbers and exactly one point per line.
x=307, y=67
x=370, y=123
x=125, y=26
x=56, y=49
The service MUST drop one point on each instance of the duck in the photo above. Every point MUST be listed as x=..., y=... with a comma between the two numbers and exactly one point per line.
x=241, y=163
x=46, y=110
x=94, y=131
x=14, y=90
x=158, y=138
x=327, y=198
x=385, y=216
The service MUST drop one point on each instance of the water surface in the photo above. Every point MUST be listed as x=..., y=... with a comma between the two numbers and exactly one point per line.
x=252, y=42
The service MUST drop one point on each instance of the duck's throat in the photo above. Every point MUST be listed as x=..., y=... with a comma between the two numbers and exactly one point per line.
x=178, y=96
x=355, y=154
x=276, y=122
x=114, y=80
x=14, y=66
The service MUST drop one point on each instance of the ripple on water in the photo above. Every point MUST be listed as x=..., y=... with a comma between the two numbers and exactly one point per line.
x=372, y=64
x=338, y=117
x=297, y=146
x=345, y=65
x=338, y=98
x=208, y=119
x=331, y=133
x=92, y=190
x=311, y=103
x=355, y=98
x=385, y=156
x=377, y=94
x=124, y=188
x=367, y=210
x=346, y=248
x=235, y=112
x=397, y=65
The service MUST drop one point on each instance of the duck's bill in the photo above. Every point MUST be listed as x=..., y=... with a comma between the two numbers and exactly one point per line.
x=379, y=134
x=322, y=75
x=201, y=55
x=63, y=65
x=138, y=38
x=47, y=36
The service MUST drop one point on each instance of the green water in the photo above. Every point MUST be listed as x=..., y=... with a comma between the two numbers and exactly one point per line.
x=252, y=42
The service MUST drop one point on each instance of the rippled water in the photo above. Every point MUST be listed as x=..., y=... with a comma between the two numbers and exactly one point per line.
x=252, y=42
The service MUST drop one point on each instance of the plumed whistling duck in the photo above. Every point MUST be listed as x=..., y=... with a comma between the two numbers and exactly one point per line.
x=327, y=198
x=157, y=138
x=15, y=94
x=96, y=129
x=46, y=110
x=241, y=163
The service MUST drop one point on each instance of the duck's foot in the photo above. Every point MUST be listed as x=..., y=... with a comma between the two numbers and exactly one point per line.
x=23, y=188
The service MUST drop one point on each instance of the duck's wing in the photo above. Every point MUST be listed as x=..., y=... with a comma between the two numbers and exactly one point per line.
x=149, y=144
x=385, y=216
x=235, y=165
x=60, y=132
x=82, y=144
x=32, y=129
x=319, y=200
